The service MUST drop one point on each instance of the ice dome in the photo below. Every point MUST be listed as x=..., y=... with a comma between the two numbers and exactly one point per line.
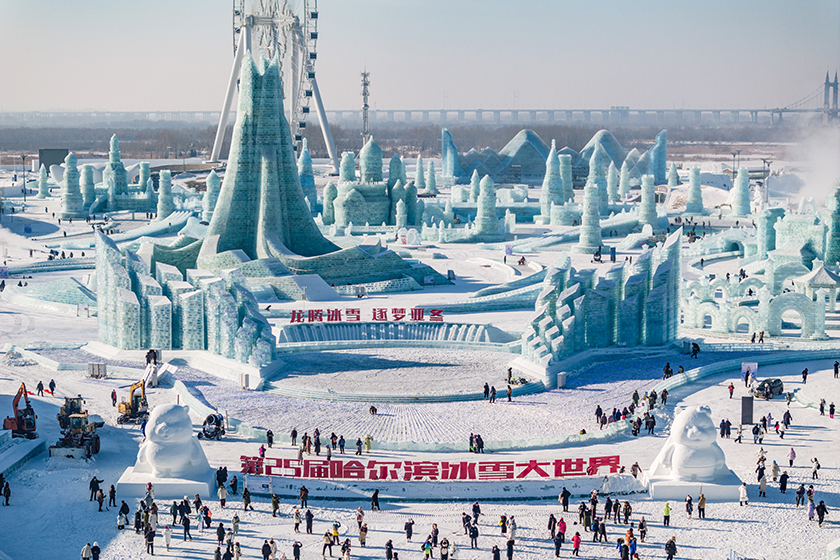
x=370, y=162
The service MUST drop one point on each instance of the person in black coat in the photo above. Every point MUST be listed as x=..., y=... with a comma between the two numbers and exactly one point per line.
x=783, y=480
x=564, y=498
x=497, y=554
x=474, y=536
x=558, y=543
x=94, y=487
x=409, y=529
x=510, y=544
x=95, y=551
x=266, y=550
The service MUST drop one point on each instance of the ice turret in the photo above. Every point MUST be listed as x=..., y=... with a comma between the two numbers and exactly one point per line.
x=450, y=166
x=673, y=176
x=370, y=162
x=397, y=194
x=347, y=169
x=87, y=184
x=566, y=177
x=211, y=195
x=43, y=187
x=330, y=194
x=72, y=202
x=165, y=205
x=597, y=177
x=590, y=227
x=612, y=183
x=151, y=195
x=145, y=175
x=475, y=182
x=647, y=208
x=552, y=187
x=741, y=194
x=307, y=177
x=656, y=164
x=431, y=181
x=396, y=172
x=411, y=203
x=114, y=153
x=401, y=218
x=694, y=204
x=114, y=175
x=486, y=221
x=420, y=175
x=624, y=180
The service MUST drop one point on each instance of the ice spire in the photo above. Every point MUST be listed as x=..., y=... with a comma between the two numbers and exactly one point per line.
x=486, y=221
x=43, y=188
x=72, y=203
x=431, y=182
x=741, y=194
x=370, y=162
x=114, y=155
x=590, y=226
x=566, y=177
x=597, y=177
x=552, y=187
x=347, y=169
x=694, y=204
x=330, y=194
x=211, y=195
x=474, y=186
x=612, y=183
x=647, y=208
x=673, y=176
x=165, y=205
x=420, y=175
x=88, y=187
x=624, y=180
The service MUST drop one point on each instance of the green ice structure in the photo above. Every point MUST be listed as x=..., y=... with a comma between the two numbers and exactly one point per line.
x=43, y=186
x=72, y=201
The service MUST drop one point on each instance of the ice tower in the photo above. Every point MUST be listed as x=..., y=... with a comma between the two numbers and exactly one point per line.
x=43, y=187
x=647, y=208
x=420, y=175
x=741, y=194
x=590, y=227
x=612, y=183
x=370, y=162
x=88, y=186
x=165, y=205
x=307, y=177
x=657, y=165
x=72, y=202
x=474, y=186
x=431, y=182
x=566, y=177
x=486, y=221
x=211, y=196
x=694, y=205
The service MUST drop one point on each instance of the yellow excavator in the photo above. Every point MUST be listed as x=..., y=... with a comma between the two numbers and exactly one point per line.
x=78, y=431
x=136, y=409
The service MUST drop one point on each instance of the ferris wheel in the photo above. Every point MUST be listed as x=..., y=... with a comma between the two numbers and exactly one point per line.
x=288, y=30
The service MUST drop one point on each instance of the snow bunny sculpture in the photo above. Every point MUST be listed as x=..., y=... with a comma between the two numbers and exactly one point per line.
x=691, y=452
x=171, y=450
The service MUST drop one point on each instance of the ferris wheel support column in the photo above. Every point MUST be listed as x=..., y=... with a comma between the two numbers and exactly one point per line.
x=325, y=126
x=244, y=44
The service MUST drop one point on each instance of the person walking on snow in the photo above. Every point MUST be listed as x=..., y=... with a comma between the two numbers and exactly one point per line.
x=791, y=455
x=731, y=389
x=742, y=494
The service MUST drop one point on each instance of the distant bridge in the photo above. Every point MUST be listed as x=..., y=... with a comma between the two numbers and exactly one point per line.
x=809, y=107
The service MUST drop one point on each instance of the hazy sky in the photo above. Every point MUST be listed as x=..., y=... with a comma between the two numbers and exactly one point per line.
x=176, y=54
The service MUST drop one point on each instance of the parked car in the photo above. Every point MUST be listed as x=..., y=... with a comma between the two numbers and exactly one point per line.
x=769, y=388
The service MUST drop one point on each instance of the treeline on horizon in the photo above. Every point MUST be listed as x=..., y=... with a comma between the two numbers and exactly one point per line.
x=406, y=139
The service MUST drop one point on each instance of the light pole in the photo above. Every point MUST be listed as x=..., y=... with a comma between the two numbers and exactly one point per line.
x=23, y=157
x=733, y=167
x=766, y=180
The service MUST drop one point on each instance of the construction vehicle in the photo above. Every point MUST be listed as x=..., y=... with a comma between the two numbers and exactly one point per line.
x=23, y=422
x=78, y=436
x=213, y=427
x=74, y=405
x=136, y=409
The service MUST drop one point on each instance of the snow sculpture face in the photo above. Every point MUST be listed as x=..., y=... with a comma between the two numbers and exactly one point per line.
x=694, y=428
x=169, y=424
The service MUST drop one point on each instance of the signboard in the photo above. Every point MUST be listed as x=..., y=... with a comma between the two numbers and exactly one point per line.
x=748, y=368
x=350, y=315
x=371, y=469
x=4, y=271
x=508, y=250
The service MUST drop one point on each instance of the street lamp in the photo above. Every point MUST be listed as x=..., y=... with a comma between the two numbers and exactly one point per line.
x=23, y=157
x=733, y=167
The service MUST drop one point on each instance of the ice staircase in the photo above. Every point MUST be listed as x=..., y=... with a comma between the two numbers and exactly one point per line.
x=320, y=395
x=426, y=331
x=14, y=452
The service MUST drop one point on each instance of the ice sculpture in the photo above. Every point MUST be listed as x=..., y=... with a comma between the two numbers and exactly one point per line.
x=396, y=172
x=656, y=164
x=474, y=186
x=598, y=177
x=612, y=183
x=566, y=177
x=552, y=187
x=165, y=205
x=145, y=175
x=420, y=175
x=170, y=458
x=330, y=194
x=431, y=181
x=397, y=195
x=307, y=176
x=450, y=167
x=43, y=187
x=401, y=218
x=590, y=228
x=741, y=194
x=691, y=457
x=832, y=244
x=211, y=195
x=647, y=208
x=88, y=186
x=411, y=204
x=370, y=162
x=347, y=169
x=673, y=176
x=72, y=203
x=624, y=180
x=694, y=204
x=486, y=221
x=114, y=175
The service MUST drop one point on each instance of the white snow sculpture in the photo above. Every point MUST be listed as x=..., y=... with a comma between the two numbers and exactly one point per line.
x=691, y=461
x=691, y=451
x=171, y=450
